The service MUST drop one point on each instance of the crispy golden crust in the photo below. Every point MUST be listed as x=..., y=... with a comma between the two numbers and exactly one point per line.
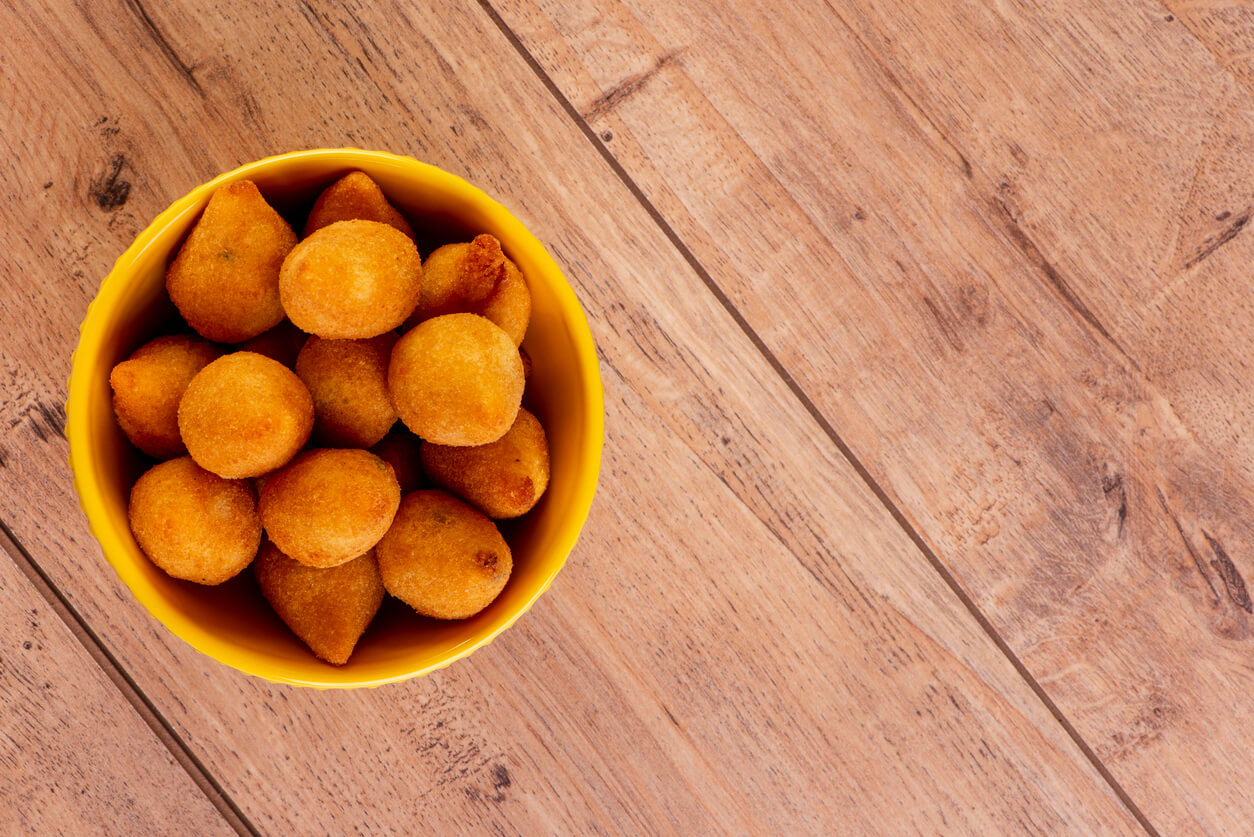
x=348, y=380
x=147, y=388
x=329, y=506
x=502, y=479
x=354, y=197
x=400, y=449
x=225, y=278
x=442, y=557
x=475, y=278
x=192, y=524
x=244, y=415
x=329, y=609
x=456, y=380
x=351, y=280
x=509, y=305
x=281, y=343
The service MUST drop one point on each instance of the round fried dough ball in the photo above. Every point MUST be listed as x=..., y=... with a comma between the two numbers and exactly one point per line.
x=244, y=415
x=400, y=449
x=476, y=278
x=348, y=380
x=504, y=478
x=193, y=524
x=281, y=343
x=225, y=279
x=147, y=387
x=354, y=197
x=329, y=506
x=442, y=557
x=329, y=609
x=350, y=280
x=456, y=380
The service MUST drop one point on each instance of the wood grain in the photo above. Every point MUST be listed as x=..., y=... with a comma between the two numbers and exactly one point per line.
x=1225, y=29
x=1002, y=253
x=75, y=758
x=744, y=639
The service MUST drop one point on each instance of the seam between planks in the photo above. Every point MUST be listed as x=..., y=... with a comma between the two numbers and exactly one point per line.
x=130, y=690
x=865, y=475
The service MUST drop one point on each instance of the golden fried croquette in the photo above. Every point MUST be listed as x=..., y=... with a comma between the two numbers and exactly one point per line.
x=350, y=280
x=225, y=278
x=348, y=380
x=354, y=197
x=442, y=557
x=456, y=380
x=459, y=277
x=193, y=524
x=329, y=506
x=400, y=449
x=502, y=479
x=245, y=414
x=509, y=306
x=281, y=343
x=329, y=609
x=147, y=387
x=475, y=278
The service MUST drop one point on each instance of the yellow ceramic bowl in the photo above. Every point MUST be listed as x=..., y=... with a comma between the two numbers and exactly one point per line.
x=231, y=623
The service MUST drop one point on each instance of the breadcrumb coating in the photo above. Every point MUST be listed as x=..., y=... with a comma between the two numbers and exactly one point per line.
x=443, y=558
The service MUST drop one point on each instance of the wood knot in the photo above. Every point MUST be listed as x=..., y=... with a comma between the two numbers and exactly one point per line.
x=110, y=191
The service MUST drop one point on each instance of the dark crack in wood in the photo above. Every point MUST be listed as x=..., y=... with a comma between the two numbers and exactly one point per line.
x=1211, y=245
x=1197, y=562
x=625, y=88
x=1234, y=584
x=163, y=44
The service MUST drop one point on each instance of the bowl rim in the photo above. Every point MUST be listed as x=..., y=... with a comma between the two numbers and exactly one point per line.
x=92, y=331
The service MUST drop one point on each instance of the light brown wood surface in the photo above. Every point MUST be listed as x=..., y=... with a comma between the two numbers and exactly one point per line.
x=1049, y=260
x=926, y=463
x=76, y=757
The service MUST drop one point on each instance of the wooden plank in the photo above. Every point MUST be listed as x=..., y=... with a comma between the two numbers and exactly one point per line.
x=1225, y=29
x=75, y=757
x=744, y=640
x=1150, y=251
x=977, y=223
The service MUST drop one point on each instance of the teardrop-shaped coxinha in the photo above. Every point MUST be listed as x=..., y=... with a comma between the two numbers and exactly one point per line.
x=329, y=307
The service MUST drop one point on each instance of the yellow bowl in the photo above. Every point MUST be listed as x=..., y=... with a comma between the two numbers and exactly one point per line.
x=231, y=623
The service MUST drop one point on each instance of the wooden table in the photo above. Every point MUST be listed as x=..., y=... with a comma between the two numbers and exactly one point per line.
x=927, y=503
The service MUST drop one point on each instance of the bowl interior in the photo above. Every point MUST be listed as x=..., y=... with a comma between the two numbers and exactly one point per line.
x=231, y=622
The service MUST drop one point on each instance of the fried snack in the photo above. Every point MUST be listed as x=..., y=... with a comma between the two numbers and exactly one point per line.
x=400, y=449
x=193, y=524
x=475, y=278
x=245, y=414
x=329, y=506
x=225, y=278
x=147, y=387
x=509, y=306
x=456, y=380
x=442, y=557
x=354, y=197
x=329, y=609
x=348, y=380
x=351, y=280
x=502, y=479
x=281, y=343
